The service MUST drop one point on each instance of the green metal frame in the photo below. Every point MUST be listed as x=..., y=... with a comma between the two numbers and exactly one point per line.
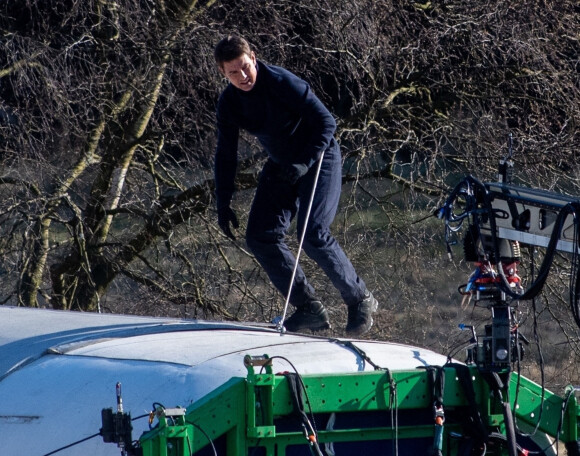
x=244, y=410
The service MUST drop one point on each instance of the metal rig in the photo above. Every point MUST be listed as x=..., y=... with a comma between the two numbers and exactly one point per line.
x=457, y=409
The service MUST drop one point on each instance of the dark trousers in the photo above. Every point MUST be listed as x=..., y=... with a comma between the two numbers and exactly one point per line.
x=275, y=205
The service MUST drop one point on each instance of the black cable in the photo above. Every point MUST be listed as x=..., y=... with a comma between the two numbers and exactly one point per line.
x=393, y=405
x=73, y=444
x=538, y=284
x=206, y=436
x=394, y=414
x=562, y=412
x=502, y=440
x=560, y=425
x=359, y=352
x=255, y=448
x=313, y=423
x=299, y=378
x=575, y=274
x=70, y=445
x=463, y=189
x=540, y=354
x=159, y=404
x=456, y=348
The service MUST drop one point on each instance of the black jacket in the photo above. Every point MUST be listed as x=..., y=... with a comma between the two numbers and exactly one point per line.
x=291, y=123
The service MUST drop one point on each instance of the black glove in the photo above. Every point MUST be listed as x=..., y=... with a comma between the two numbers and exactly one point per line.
x=291, y=173
x=226, y=216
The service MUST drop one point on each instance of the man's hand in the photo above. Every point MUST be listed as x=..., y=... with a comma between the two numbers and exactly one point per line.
x=226, y=216
x=291, y=173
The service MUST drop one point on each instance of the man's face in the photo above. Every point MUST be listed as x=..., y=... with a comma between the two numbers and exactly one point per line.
x=241, y=72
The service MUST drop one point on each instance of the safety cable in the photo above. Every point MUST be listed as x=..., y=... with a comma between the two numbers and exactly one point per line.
x=302, y=236
x=70, y=445
x=393, y=400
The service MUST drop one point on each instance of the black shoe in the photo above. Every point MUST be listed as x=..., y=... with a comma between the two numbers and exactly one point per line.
x=312, y=316
x=360, y=317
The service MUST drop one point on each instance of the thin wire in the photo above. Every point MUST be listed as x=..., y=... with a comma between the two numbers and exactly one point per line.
x=255, y=448
x=395, y=417
x=574, y=272
x=393, y=401
x=281, y=323
x=86, y=438
x=313, y=422
x=206, y=436
x=540, y=355
x=73, y=444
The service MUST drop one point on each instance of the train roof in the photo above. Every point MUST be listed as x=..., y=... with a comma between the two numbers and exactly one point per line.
x=58, y=369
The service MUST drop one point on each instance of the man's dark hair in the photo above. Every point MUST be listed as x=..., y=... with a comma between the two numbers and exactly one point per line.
x=229, y=48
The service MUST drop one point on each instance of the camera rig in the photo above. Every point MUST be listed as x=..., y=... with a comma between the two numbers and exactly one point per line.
x=502, y=218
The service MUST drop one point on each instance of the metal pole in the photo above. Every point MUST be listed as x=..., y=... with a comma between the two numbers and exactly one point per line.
x=280, y=325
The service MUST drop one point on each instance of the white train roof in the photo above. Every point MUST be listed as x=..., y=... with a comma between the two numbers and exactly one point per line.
x=59, y=369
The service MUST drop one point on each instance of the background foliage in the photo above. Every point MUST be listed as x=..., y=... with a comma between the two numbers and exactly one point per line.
x=107, y=136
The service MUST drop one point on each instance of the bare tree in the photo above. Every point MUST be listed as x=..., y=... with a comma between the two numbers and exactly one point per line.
x=84, y=101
